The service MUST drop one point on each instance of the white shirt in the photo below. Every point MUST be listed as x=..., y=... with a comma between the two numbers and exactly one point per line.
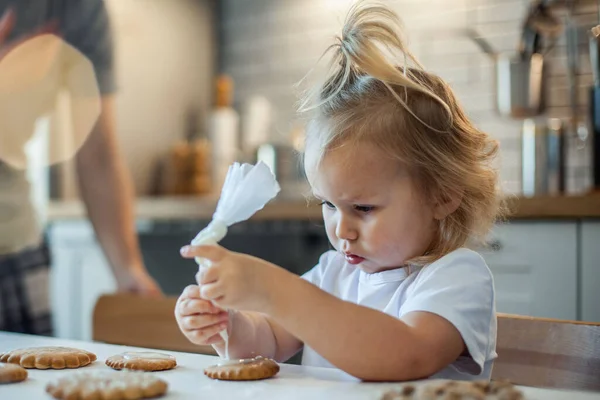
x=458, y=287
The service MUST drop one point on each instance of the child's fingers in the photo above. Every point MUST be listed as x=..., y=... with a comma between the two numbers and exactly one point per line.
x=196, y=307
x=211, y=252
x=202, y=335
x=208, y=275
x=190, y=292
x=203, y=321
x=211, y=291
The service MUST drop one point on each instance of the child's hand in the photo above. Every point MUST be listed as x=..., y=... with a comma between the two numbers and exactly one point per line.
x=198, y=319
x=237, y=281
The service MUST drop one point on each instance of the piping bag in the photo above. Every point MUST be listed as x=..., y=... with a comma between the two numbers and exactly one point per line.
x=247, y=189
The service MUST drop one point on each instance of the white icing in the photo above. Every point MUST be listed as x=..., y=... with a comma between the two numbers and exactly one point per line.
x=146, y=355
x=242, y=361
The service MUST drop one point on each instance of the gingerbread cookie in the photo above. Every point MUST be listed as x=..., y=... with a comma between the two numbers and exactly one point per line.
x=10, y=373
x=142, y=360
x=107, y=385
x=456, y=390
x=243, y=370
x=51, y=357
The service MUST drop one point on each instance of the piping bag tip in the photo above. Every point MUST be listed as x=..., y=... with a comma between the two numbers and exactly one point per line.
x=224, y=335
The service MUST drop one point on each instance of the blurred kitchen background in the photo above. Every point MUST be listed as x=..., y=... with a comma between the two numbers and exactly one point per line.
x=203, y=83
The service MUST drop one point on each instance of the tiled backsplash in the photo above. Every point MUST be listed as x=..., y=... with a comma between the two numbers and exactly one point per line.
x=269, y=45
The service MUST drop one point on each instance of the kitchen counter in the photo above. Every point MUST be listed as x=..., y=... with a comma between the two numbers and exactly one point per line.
x=173, y=208
x=187, y=380
x=555, y=207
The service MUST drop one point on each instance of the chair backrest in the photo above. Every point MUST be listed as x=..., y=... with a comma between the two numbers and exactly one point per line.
x=133, y=320
x=548, y=353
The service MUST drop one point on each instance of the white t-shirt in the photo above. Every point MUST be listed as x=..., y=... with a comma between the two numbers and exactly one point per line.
x=458, y=287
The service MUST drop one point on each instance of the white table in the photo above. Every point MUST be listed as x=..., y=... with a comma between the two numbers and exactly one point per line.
x=187, y=381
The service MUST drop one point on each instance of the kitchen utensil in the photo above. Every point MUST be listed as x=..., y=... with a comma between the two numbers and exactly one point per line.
x=595, y=139
x=541, y=20
x=594, y=109
x=594, y=47
x=519, y=80
x=543, y=158
x=577, y=127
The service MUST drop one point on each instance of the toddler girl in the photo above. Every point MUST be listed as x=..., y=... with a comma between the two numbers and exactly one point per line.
x=405, y=181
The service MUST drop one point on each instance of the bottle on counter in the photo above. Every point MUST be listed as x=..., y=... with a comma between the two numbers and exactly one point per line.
x=223, y=127
x=189, y=162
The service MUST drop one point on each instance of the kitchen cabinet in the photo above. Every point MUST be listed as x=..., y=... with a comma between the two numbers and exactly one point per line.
x=80, y=274
x=590, y=271
x=534, y=264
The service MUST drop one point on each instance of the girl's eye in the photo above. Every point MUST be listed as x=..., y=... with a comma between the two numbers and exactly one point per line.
x=364, y=209
x=327, y=204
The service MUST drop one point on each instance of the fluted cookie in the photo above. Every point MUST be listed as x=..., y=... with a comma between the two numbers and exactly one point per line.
x=456, y=390
x=142, y=360
x=107, y=385
x=10, y=373
x=243, y=370
x=51, y=357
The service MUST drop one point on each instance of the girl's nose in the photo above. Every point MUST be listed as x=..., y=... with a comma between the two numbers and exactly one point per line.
x=345, y=230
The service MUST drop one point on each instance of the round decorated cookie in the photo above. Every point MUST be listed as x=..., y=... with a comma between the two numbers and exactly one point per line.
x=243, y=370
x=51, y=357
x=107, y=385
x=10, y=373
x=142, y=360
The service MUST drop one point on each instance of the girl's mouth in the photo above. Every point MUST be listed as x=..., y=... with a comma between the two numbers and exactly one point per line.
x=353, y=259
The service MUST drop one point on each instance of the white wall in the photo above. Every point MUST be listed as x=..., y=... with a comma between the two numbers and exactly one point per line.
x=165, y=57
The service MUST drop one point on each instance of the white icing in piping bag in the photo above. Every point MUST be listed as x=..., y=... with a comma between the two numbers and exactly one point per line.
x=246, y=190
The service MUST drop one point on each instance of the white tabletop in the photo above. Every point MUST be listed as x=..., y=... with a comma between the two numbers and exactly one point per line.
x=187, y=380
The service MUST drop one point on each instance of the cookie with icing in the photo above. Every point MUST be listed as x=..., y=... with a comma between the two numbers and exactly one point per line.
x=243, y=370
x=142, y=361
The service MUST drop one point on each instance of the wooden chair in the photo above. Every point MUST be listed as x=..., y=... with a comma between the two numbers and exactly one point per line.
x=133, y=320
x=548, y=353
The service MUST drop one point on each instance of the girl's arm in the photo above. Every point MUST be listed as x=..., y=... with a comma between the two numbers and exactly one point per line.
x=364, y=342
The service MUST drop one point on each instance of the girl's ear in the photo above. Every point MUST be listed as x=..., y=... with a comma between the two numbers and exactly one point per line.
x=446, y=204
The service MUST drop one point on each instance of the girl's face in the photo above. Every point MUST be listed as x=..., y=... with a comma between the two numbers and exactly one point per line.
x=372, y=210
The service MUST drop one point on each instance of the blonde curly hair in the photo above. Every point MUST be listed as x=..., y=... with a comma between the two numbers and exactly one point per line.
x=410, y=114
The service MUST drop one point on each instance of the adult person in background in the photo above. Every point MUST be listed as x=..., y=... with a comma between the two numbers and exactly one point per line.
x=104, y=183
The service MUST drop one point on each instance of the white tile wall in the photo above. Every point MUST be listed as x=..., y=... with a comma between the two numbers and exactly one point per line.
x=268, y=45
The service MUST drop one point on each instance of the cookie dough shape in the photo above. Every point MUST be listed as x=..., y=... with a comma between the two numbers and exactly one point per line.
x=468, y=390
x=11, y=373
x=243, y=370
x=107, y=385
x=51, y=357
x=142, y=361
